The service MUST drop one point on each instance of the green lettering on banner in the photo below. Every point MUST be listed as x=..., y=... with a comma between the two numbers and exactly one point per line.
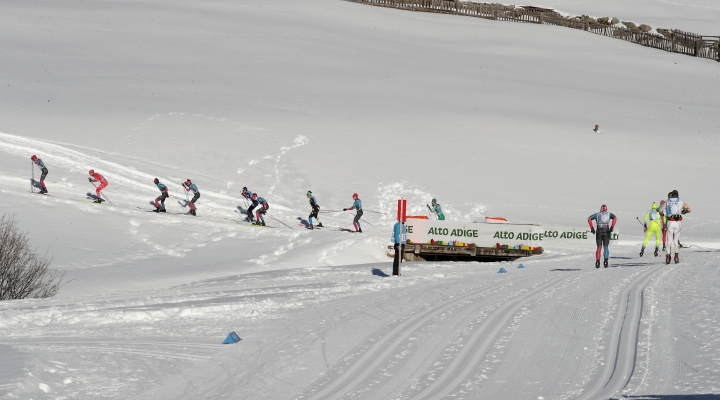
x=562, y=235
x=497, y=235
x=409, y=229
x=585, y=235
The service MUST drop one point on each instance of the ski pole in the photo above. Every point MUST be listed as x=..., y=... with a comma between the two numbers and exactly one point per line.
x=376, y=212
x=32, y=182
x=278, y=220
x=638, y=219
x=363, y=220
x=105, y=196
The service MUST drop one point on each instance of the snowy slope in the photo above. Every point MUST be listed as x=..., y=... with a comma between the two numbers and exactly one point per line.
x=335, y=97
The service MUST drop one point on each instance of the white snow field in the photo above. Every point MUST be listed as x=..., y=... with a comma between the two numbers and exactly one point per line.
x=284, y=96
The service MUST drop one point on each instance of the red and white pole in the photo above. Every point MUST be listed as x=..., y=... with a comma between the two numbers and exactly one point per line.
x=400, y=249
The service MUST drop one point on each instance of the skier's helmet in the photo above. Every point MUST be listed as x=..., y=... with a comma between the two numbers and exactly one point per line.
x=156, y=180
x=434, y=201
x=654, y=206
x=92, y=172
x=34, y=157
x=674, y=193
x=603, y=208
x=309, y=193
x=254, y=196
x=244, y=188
x=188, y=181
x=662, y=202
x=355, y=195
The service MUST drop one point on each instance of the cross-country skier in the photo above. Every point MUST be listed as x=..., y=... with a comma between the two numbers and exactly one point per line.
x=315, y=209
x=399, y=240
x=436, y=209
x=604, y=229
x=656, y=222
x=160, y=200
x=44, y=171
x=247, y=194
x=189, y=186
x=95, y=177
x=357, y=205
x=254, y=203
x=259, y=220
x=674, y=209
x=664, y=225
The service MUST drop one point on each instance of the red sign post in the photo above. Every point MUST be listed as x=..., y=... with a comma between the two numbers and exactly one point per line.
x=402, y=211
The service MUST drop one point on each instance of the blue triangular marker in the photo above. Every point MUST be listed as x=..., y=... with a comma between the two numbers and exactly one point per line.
x=521, y=266
x=502, y=271
x=232, y=338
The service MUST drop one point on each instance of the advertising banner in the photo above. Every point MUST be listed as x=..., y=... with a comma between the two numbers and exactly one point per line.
x=449, y=233
x=582, y=237
x=478, y=234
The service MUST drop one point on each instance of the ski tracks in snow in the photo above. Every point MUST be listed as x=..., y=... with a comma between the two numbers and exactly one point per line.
x=440, y=350
x=621, y=351
x=428, y=330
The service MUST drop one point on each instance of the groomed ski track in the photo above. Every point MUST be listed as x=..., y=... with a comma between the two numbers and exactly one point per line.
x=486, y=331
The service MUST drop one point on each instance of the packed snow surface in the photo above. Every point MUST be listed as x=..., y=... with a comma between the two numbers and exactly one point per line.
x=491, y=118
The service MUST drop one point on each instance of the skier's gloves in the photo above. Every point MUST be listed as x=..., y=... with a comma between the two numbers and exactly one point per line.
x=592, y=230
x=684, y=212
x=344, y=209
x=611, y=229
x=645, y=229
x=90, y=180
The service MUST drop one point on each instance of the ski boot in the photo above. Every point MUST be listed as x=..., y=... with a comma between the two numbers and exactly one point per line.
x=320, y=225
x=597, y=264
x=677, y=258
x=667, y=259
x=656, y=252
x=44, y=190
x=359, y=231
x=642, y=251
x=162, y=210
x=193, y=213
x=310, y=227
x=263, y=223
x=663, y=249
x=97, y=201
x=606, y=263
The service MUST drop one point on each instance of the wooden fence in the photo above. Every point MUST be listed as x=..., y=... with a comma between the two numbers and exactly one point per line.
x=675, y=41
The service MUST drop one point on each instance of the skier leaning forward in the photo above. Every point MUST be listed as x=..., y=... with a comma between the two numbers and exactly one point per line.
x=160, y=200
x=315, y=209
x=191, y=187
x=95, y=177
x=674, y=208
x=262, y=209
x=357, y=205
x=602, y=236
x=43, y=170
x=657, y=222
